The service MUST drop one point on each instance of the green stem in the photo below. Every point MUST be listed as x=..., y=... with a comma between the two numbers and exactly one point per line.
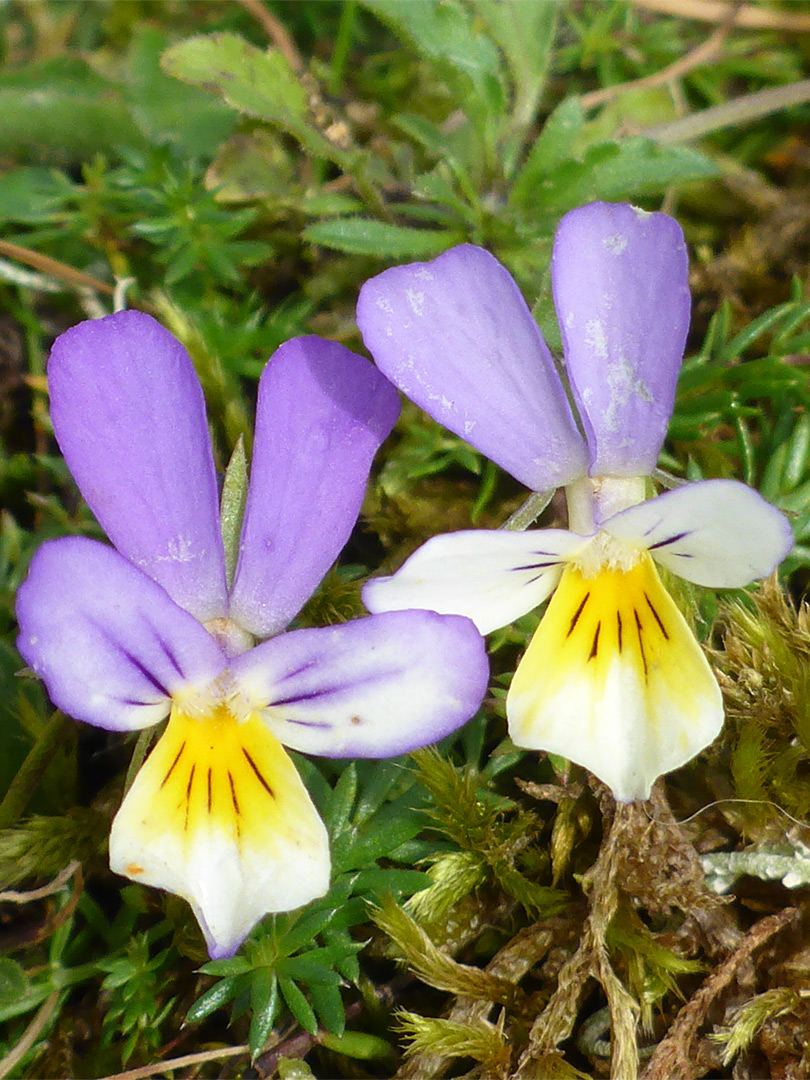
x=25, y=783
x=531, y=510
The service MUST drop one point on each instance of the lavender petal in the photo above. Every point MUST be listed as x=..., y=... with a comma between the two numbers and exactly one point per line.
x=322, y=413
x=374, y=687
x=129, y=416
x=108, y=642
x=620, y=283
x=456, y=337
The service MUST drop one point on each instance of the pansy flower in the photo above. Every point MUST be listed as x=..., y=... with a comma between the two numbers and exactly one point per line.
x=613, y=678
x=126, y=636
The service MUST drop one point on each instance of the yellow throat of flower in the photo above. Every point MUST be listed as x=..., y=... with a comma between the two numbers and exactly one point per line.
x=613, y=677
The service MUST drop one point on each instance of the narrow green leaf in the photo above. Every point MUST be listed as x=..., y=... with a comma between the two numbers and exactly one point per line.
x=380, y=842
x=298, y=1004
x=308, y=971
x=328, y=1003
x=358, y=1044
x=363, y=236
x=235, y=965
x=264, y=1004
x=342, y=801
x=755, y=329
x=215, y=997
x=798, y=452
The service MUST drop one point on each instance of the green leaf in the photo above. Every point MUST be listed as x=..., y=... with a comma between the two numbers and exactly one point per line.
x=363, y=236
x=308, y=971
x=525, y=34
x=235, y=965
x=298, y=1004
x=168, y=112
x=357, y=1044
x=553, y=147
x=215, y=997
x=294, y=1069
x=34, y=195
x=618, y=171
x=254, y=81
x=264, y=1004
x=443, y=33
x=328, y=1003
x=62, y=110
x=342, y=801
x=376, y=883
x=352, y=853
x=14, y=981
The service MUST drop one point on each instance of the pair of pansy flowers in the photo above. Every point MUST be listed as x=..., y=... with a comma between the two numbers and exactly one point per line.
x=158, y=625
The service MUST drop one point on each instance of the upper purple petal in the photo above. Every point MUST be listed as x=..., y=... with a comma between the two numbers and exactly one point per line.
x=373, y=687
x=322, y=414
x=456, y=337
x=108, y=642
x=129, y=416
x=620, y=282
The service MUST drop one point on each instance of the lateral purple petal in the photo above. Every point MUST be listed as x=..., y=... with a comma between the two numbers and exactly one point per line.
x=108, y=642
x=620, y=283
x=373, y=688
x=129, y=416
x=456, y=337
x=322, y=414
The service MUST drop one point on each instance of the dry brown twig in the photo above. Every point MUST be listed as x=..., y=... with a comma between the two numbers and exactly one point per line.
x=12, y=896
x=674, y=1057
x=201, y=1058
x=750, y=16
x=699, y=56
x=276, y=31
x=77, y=279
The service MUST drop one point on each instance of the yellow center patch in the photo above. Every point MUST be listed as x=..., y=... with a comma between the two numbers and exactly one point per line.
x=214, y=772
x=614, y=679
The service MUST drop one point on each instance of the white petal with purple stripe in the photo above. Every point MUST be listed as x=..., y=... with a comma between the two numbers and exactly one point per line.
x=717, y=533
x=492, y=577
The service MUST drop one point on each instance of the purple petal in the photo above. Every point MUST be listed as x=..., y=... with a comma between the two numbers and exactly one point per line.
x=456, y=337
x=109, y=644
x=620, y=283
x=374, y=687
x=321, y=416
x=129, y=416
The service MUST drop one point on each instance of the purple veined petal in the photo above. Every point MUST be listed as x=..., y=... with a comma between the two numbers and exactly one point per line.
x=322, y=414
x=108, y=642
x=219, y=815
x=717, y=533
x=129, y=417
x=620, y=283
x=490, y=576
x=374, y=687
x=456, y=337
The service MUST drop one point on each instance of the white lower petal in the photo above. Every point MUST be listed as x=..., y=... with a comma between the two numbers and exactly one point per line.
x=717, y=533
x=493, y=577
x=219, y=816
x=615, y=681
